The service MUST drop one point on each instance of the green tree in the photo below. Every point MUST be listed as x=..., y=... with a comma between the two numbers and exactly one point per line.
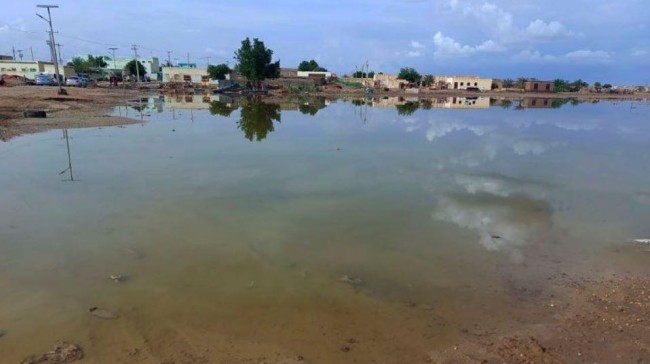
x=130, y=66
x=218, y=72
x=97, y=62
x=221, y=108
x=409, y=74
x=87, y=65
x=427, y=80
x=80, y=65
x=254, y=61
x=407, y=108
x=561, y=85
x=508, y=83
x=359, y=74
x=577, y=85
x=310, y=66
x=607, y=86
x=256, y=119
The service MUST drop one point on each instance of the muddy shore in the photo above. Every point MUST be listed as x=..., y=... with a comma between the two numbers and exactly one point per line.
x=81, y=108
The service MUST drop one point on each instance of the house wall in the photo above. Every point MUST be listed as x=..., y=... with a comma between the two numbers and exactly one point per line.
x=464, y=82
x=327, y=75
x=539, y=86
x=180, y=74
x=30, y=69
x=388, y=81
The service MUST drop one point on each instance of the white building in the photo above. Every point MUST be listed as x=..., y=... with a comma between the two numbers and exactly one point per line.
x=30, y=69
x=307, y=74
x=186, y=74
x=151, y=64
x=464, y=82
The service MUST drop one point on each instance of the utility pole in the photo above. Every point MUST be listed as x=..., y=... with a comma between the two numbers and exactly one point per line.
x=52, y=43
x=14, y=52
x=137, y=69
x=169, y=58
x=188, y=59
x=113, y=49
x=60, y=58
x=32, y=51
x=208, y=57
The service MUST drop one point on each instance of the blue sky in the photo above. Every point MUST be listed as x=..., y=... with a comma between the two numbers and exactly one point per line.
x=602, y=40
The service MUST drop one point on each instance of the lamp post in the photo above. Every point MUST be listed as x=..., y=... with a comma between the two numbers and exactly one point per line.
x=52, y=45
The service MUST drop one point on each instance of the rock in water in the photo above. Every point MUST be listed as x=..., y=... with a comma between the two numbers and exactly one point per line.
x=101, y=313
x=64, y=352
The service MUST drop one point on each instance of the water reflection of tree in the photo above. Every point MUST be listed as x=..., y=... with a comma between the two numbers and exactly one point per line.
x=407, y=108
x=308, y=109
x=256, y=119
x=221, y=108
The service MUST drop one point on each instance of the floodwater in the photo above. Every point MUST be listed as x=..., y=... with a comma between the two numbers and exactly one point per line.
x=334, y=231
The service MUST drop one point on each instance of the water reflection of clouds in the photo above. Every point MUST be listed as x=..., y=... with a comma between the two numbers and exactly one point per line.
x=503, y=224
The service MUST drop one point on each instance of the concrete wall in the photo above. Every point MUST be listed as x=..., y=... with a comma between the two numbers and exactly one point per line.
x=30, y=69
x=180, y=74
x=539, y=86
x=464, y=82
x=327, y=75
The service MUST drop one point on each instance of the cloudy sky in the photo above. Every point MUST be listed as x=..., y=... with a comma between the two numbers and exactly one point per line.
x=602, y=40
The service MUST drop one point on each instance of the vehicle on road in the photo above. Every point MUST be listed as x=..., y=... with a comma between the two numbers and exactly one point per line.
x=76, y=81
x=45, y=80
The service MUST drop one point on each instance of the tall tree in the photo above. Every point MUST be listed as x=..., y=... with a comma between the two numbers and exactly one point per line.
x=310, y=66
x=87, y=65
x=219, y=71
x=254, y=61
x=130, y=66
x=508, y=83
x=409, y=74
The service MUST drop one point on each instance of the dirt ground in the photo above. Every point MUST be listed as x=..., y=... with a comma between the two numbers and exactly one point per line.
x=81, y=108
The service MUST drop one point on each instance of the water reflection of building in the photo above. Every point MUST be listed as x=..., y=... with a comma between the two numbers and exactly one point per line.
x=536, y=103
x=435, y=103
x=194, y=101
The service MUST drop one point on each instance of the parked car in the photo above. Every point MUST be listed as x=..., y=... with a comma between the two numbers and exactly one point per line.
x=45, y=80
x=84, y=78
x=73, y=81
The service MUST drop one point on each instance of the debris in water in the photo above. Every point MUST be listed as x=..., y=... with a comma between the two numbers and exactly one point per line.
x=101, y=313
x=117, y=278
x=63, y=352
x=642, y=241
x=351, y=280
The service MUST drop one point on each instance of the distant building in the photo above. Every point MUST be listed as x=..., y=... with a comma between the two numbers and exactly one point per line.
x=388, y=81
x=186, y=74
x=288, y=72
x=151, y=64
x=463, y=83
x=317, y=74
x=6, y=58
x=30, y=69
x=539, y=86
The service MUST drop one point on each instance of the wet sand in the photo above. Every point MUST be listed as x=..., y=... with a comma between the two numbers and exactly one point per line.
x=81, y=108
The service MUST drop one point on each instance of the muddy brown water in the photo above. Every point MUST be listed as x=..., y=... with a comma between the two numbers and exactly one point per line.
x=316, y=230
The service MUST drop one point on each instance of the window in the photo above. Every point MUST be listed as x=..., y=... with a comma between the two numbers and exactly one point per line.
x=475, y=83
x=462, y=83
x=548, y=86
x=533, y=102
x=32, y=69
x=546, y=101
x=535, y=86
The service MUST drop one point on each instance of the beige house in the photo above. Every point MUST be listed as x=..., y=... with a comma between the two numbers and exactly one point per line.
x=464, y=83
x=31, y=69
x=186, y=74
x=388, y=81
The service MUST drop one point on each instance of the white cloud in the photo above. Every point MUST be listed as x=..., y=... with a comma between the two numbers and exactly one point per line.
x=551, y=30
x=417, y=45
x=414, y=53
x=448, y=47
x=589, y=56
x=499, y=24
x=585, y=56
x=4, y=27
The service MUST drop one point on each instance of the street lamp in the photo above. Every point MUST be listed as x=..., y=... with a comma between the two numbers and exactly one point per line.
x=56, y=61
